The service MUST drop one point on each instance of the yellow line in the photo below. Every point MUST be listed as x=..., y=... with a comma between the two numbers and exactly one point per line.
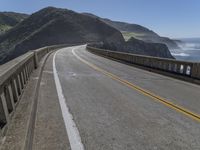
x=143, y=91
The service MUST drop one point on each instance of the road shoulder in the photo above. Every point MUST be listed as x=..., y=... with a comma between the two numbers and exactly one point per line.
x=49, y=130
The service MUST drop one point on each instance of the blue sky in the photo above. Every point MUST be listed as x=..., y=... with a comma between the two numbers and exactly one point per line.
x=172, y=18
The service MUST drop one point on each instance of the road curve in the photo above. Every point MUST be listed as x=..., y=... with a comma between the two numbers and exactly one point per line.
x=110, y=115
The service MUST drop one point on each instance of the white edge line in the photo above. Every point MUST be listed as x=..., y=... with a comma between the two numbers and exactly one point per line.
x=73, y=52
x=72, y=130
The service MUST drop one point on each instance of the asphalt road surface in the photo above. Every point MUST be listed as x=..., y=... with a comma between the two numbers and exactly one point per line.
x=107, y=105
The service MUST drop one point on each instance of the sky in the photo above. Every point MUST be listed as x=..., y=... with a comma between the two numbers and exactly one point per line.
x=171, y=18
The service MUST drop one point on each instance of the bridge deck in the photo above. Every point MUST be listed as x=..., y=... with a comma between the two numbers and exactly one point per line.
x=114, y=106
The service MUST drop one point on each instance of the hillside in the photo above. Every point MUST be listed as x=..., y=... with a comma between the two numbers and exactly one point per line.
x=140, y=47
x=9, y=20
x=52, y=26
x=137, y=31
x=141, y=33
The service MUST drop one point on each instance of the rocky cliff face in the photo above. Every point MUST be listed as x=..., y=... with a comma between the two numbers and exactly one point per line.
x=140, y=47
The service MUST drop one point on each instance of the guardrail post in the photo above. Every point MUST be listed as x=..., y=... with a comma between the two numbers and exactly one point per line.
x=15, y=90
x=26, y=73
x=5, y=116
x=195, y=71
x=19, y=84
x=22, y=79
x=8, y=98
x=35, y=60
x=11, y=96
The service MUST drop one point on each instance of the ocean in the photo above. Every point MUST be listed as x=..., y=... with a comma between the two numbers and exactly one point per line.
x=190, y=50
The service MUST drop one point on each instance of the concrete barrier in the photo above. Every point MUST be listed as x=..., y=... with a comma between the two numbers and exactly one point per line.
x=14, y=76
x=189, y=71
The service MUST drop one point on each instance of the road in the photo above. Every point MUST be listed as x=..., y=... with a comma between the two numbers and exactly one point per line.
x=93, y=103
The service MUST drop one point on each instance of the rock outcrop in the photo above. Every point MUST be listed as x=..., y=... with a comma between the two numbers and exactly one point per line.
x=140, y=47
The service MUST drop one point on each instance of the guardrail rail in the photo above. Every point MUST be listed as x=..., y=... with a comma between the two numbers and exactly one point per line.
x=187, y=70
x=14, y=76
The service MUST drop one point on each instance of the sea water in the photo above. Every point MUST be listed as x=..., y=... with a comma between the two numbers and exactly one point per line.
x=189, y=50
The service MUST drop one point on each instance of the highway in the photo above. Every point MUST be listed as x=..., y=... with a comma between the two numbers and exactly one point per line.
x=93, y=103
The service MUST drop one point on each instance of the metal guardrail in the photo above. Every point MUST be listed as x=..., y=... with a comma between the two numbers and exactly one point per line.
x=186, y=69
x=14, y=76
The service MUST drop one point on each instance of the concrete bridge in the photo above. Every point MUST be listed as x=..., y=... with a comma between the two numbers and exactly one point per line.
x=80, y=97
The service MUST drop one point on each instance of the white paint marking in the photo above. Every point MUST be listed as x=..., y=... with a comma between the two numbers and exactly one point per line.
x=72, y=131
x=73, y=52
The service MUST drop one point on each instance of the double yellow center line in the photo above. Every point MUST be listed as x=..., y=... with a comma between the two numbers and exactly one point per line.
x=143, y=91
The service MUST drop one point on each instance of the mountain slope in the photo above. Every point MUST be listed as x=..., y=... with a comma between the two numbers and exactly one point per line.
x=52, y=26
x=141, y=33
x=137, y=31
x=135, y=28
x=10, y=19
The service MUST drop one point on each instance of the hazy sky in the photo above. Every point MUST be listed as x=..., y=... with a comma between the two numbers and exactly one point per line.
x=173, y=18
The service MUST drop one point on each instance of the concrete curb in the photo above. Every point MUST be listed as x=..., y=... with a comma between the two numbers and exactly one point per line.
x=21, y=129
x=30, y=131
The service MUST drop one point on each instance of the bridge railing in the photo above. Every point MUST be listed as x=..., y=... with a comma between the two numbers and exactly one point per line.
x=14, y=76
x=175, y=67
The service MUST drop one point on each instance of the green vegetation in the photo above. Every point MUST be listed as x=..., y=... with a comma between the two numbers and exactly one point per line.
x=127, y=35
x=9, y=20
x=4, y=28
